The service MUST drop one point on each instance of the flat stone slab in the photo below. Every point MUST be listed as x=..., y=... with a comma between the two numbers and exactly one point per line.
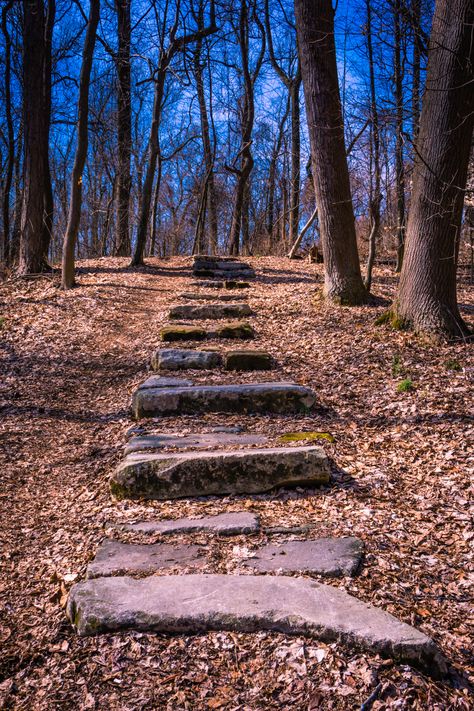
x=185, y=359
x=226, y=524
x=243, y=273
x=187, y=604
x=205, y=440
x=158, y=381
x=324, y=556
x=239, y=330
x=219, y=284
x=209, y=311
x=116, y=558
x=245, y=471
x=248, y=360
x=182, y=333
x=245, y=398
x=197, y=296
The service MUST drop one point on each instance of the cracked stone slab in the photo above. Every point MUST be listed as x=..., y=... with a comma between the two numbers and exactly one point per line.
x=246, y=398
x=209, y=311
x=187, y=604
x=204, y=440
x=198, y=296
x=197, y=473
x=117, y=558
x=324, y=556
x=185, y=359
x=158, y=381
x=226, y=524
x=219, y=284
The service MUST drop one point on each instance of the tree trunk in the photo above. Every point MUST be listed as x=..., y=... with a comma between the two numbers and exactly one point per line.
x=295, y=157
x=399, y=165
x=315, y=26
x=124, y=127
x=209, y=186
x=376, y=198
x=426, y=299
x=74, y=216
x=48, y=187
x=153, y=152
x=416, y=17
x=31, y=256
x=5, y=251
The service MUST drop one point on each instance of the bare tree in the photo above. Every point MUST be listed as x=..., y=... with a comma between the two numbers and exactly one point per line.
x=315, y=26
x=175, y=44
x=376, y=195
x=247, y=116
x=399, y=163
x=5, y=251
x=31, y=255
x=124, y=127
x=75, y=201
x=426, y=299
x=292, y=82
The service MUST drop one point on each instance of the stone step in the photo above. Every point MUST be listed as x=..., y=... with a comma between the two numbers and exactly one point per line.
x=159, y=381
x=182, y=332
x=244, y=471
x=228, y=265
x=188, y=604
x=246, y=398
x=233, y=523
x=333, y=557
x=248, y=360
x=205, y=440
x=186, y=359
x=224, y=273
x=117, y=558
x=213, y=258
x=197, y=296
x=322, y=556
x=209, y=311
x=226, y=284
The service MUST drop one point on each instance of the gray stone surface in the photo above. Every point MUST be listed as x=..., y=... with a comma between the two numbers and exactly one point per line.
x=247, y=360
x=204, y=440
x=226, y=524
x=116, y=558
x=209, y=311
x=198, y=296
x=198, y=603
x=219, y=284
x=185, y=359
x=158, y=381
x=245, y=398
x=243, y=273
x=240, y=330
x=324, y=556
x=245, y=471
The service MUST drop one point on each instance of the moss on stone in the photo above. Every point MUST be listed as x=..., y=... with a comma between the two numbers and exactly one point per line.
x=235, y=330
x=306, y=436
x=248, y=360
x=391, y=318
x=182, y=333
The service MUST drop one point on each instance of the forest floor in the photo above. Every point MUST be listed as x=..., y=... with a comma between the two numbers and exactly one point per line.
x=402, y=461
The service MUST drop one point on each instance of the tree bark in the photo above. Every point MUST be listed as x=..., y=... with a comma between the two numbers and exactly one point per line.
x=426, y=299
x=124, y=127
x=31, y=254
x=5, y=252
x=315, y=26
x=48, y=187
x=74, y=216
x=399, y=164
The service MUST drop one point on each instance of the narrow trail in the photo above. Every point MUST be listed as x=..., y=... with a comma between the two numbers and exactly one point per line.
x=71, y=362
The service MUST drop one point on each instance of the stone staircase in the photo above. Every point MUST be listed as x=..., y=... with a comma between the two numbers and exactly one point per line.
x=178, y=587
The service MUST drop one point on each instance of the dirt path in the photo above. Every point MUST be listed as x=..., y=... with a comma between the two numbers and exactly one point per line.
x=69, y=363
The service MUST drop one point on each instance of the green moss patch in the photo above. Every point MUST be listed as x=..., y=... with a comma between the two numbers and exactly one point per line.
x=235, y=330
x=306, y=437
